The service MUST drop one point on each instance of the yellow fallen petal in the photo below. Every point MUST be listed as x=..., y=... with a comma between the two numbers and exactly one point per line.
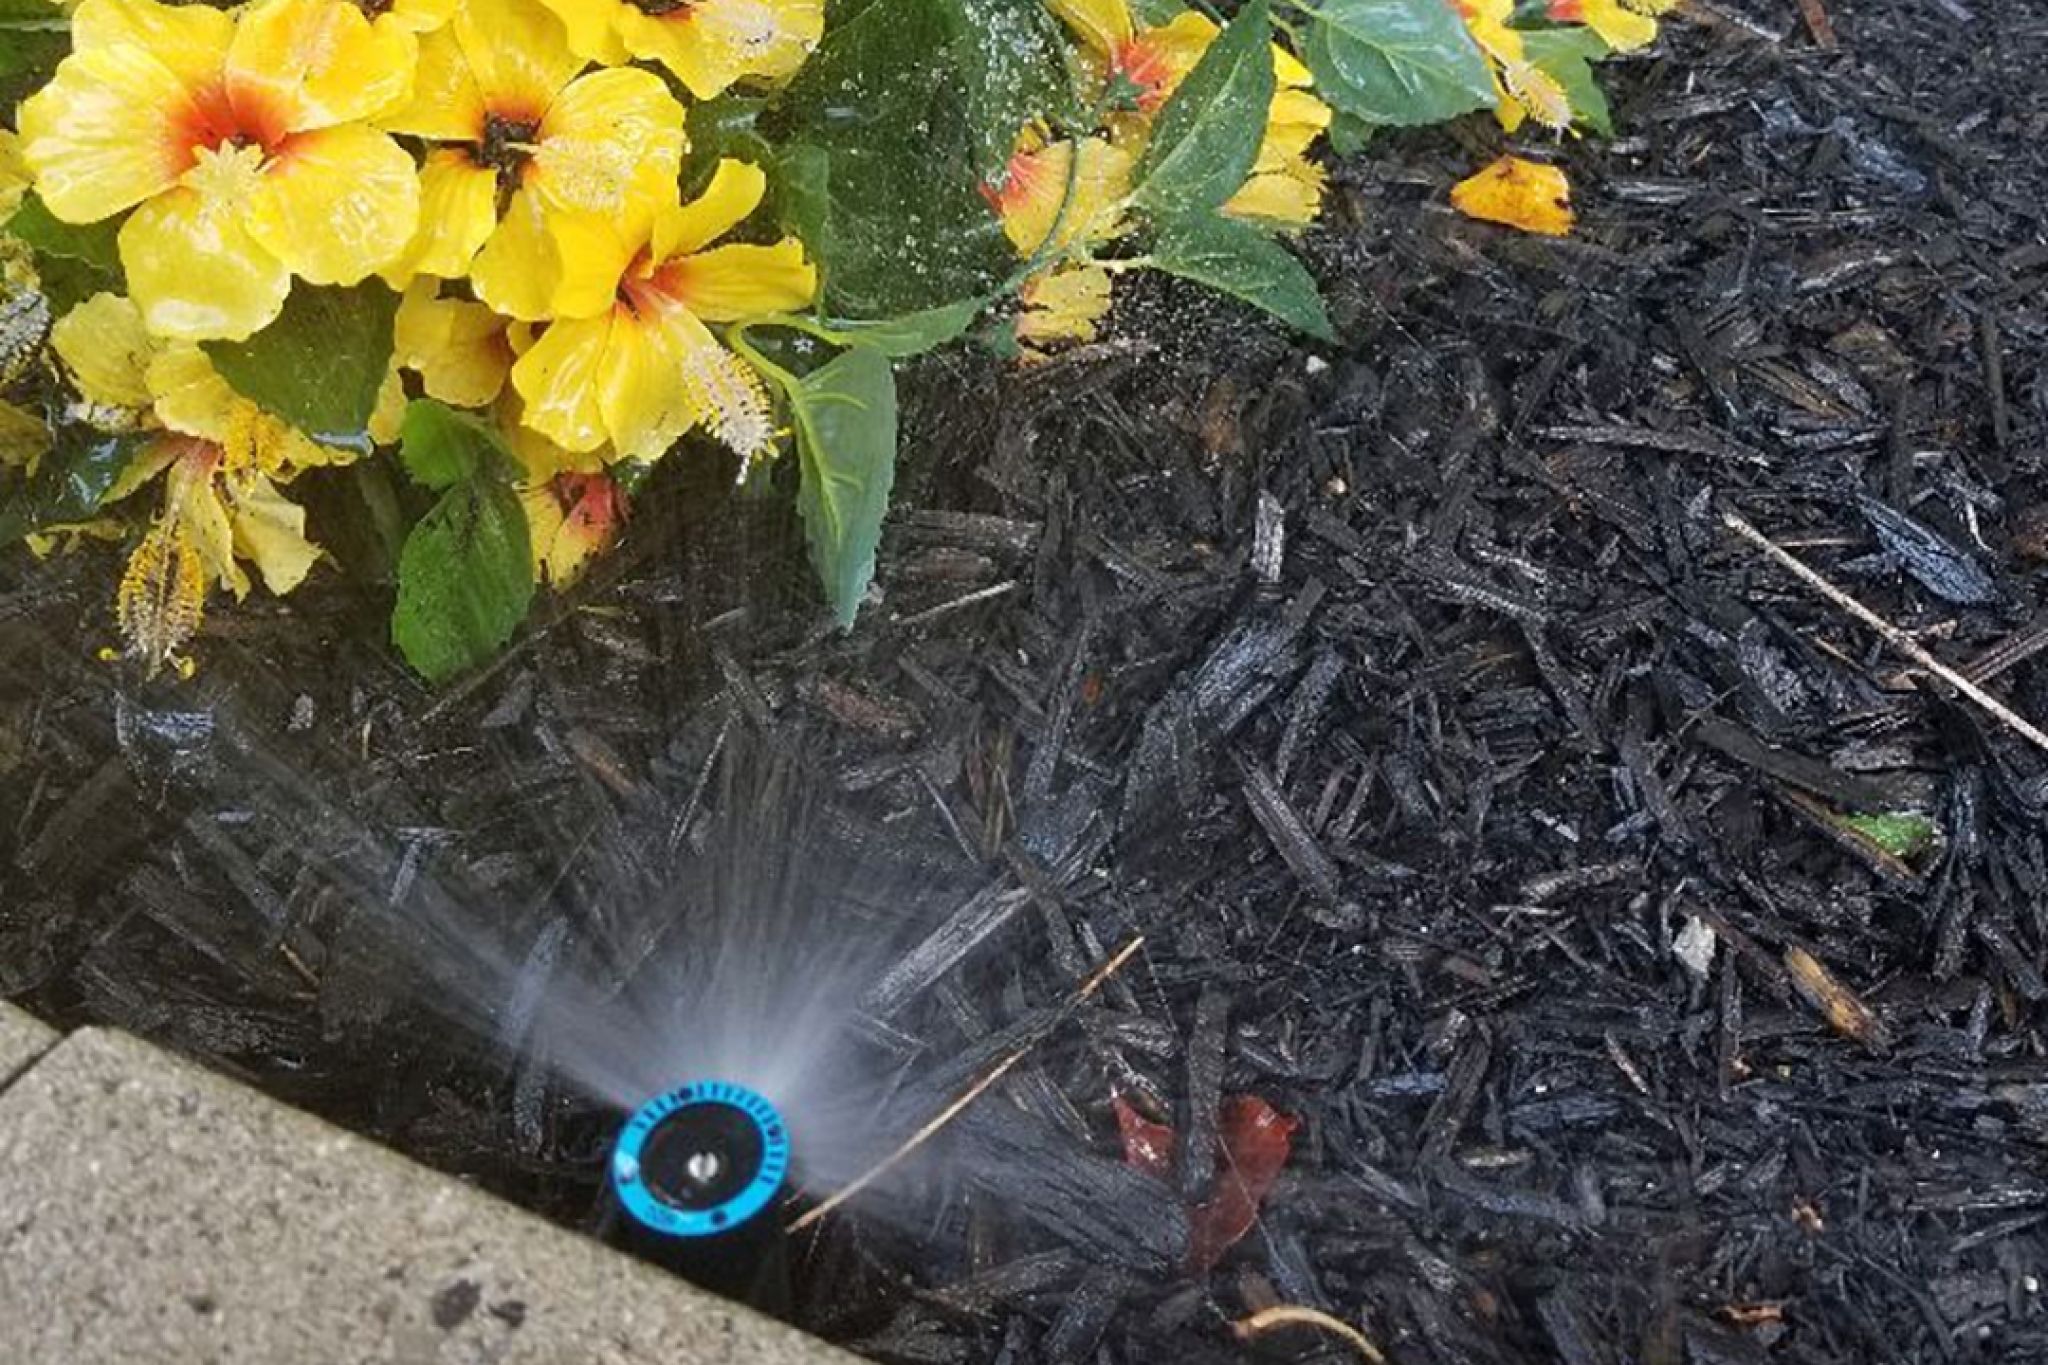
x=1287, y=197
x=106, y=350
x=711, y=44
x=458, y=348
x=1294, y=120
x=558, y=381
x=1104, y=25
x=270, y=532
x=603, y=133
x=735, y=190
x=1521, y=194
x=99, y=136
x=445, y=103
x=192, y=503
x=191, y=40
x=317, y=63
x=1063, y=305
x=196, y=272
x=387, y=417
x=337, y=205
x=731, y=283
x=519, y=52
x=458, y=212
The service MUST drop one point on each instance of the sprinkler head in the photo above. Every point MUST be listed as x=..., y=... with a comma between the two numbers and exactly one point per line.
x=702, y=1161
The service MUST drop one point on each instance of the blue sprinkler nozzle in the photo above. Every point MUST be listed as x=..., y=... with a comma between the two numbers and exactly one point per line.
x=700, y=1161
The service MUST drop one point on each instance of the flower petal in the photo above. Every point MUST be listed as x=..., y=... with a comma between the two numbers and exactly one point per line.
x=1289, y=196
x=338, y=204
x=1521, y=194
x=592, y=34
x=317, y=63
x=99, y=136
x=195, y=270
x=604, y=134
x=1104, y=25
x=191, y=40
x=541, y=264
x=646, y=409
x=458, y=212
x=519, y=52
x=713, y=43
x=106, y=350
x=570, y=518
x=558, y=380
x=458, y=348
x=191, y=397
x=736, y=190
x=728, y=283
x=446, y=103
x=270, y=532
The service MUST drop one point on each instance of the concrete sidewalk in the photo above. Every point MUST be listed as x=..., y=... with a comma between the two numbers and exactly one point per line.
x=151, y=1211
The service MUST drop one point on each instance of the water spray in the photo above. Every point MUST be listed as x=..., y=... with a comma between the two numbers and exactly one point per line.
x=694, y=1182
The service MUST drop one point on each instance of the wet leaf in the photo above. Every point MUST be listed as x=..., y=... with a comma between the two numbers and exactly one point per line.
x=1567, y=55
x=1905, y=835
x=68, y=484
x=1206, y=137
x=1148, y=1146
x=34, y=36
x=441, y=446
x=1403, y=62
x=1519, y=194
x=320, y=364
x=465, y=579
x=1243, y=262
x=914, y=333
x=845, y=416
x=1256, y=1140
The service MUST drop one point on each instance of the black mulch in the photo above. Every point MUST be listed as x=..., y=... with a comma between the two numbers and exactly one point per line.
x=1478, y=794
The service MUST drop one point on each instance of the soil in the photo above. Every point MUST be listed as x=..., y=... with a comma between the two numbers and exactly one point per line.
x=1479, y=795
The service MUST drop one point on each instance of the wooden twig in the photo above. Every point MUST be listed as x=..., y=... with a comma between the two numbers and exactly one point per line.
x=1295, y=1315
x=968, y=1096
x=1896, y=638
x=1818, y=24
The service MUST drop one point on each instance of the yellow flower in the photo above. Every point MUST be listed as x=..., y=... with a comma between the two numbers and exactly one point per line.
x=1038, y=182
x=414, y=16
x=570, y=519
x=1623, y=25
x=1151, y=62
x=540, y=163
x=235, y=141
x=1062, y=305
x=647, y=370
x=221, y=457
x=14, y=175
x=1524, y=90
x=707, y=44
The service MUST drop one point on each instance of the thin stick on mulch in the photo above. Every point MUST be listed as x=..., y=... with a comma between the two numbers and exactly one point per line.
x=968, y=1096
x=1893, y=636
x=1295, y=1315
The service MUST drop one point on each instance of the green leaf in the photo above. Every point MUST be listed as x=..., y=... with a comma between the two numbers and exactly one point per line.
x=1404, y=62
x=68, y=484
x=1012, y=61
x=885, y=190
x=1567, y=55
x=34, y=36
x=1903, y=834
x=1349, y=134
x=913, y=333
x=465, y=579
x=1207, y=136
x=320, y=364
x=845, y=413
x=441, y=446
x=74, y=261
x=1243, y=262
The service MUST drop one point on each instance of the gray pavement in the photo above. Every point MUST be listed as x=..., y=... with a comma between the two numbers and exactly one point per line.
x=151, y=1211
